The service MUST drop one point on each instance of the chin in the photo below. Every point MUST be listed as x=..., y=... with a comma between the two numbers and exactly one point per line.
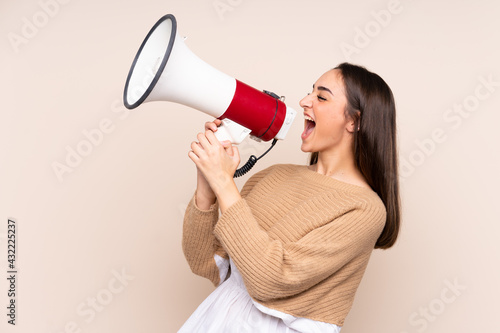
x=305, y=148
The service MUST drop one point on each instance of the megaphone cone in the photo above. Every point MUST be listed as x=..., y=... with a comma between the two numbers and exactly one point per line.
x=164, y=69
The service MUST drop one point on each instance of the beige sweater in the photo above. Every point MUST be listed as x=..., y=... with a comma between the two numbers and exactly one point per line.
x=301, y=240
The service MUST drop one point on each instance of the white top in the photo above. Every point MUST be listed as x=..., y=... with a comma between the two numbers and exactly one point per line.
x=230, y=309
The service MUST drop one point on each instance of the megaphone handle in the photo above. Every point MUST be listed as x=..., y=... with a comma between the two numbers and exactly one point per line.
x=231, y=131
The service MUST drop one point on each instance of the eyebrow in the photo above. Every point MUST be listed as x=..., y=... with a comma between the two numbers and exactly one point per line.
x=324, y=88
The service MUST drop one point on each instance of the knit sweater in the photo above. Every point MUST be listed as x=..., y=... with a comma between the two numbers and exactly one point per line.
x=301, y=240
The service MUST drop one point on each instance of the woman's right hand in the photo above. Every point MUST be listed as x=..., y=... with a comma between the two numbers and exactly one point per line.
x=205, y=196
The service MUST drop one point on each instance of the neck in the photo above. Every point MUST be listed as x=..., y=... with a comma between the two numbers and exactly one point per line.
x=332, y=164
x=341, y=166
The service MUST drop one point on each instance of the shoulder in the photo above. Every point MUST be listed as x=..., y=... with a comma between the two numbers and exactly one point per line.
x=370, y=213
x=360, y=201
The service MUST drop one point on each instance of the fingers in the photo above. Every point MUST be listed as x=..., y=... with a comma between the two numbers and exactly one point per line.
x=193, y=157
x=228, y=147
x=209, y=145
x=212, y=125
x=207, y=142
x=203, y=141
x=210, y=136
x=196, y=149
x=235, y=154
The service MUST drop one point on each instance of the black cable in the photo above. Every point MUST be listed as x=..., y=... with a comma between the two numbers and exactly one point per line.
x=251, y=162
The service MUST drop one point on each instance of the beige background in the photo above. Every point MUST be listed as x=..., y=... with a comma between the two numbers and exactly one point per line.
x=119, y=211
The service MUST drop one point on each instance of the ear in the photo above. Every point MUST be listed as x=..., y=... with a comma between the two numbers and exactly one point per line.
x=353, y=123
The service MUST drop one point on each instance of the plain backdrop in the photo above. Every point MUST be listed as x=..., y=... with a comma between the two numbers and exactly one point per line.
x=98, y=193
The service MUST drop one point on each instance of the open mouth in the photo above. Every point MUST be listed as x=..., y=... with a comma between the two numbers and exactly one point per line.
x=308, y=126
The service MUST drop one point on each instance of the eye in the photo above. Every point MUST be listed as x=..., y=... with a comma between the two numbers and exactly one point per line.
x=321, y=98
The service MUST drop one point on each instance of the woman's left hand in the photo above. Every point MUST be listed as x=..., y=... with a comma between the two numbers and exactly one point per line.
x=217, y=161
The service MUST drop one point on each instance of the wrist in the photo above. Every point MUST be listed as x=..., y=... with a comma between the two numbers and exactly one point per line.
x=228, y=196
x=204, y=196
x=204, y=201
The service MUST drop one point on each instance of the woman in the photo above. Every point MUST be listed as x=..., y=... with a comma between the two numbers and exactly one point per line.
x=289, y=251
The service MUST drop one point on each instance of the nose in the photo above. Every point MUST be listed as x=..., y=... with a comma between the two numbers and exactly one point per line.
x=306, y=101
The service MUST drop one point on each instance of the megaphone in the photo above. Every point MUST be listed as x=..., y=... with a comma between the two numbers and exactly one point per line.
x=164, y=69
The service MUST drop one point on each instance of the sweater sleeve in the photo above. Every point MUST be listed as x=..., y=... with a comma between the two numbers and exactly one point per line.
x=199, y=244
x=273, y=270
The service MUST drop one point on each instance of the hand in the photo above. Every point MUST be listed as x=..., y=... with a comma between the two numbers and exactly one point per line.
x=205, y=196
x=217, y=161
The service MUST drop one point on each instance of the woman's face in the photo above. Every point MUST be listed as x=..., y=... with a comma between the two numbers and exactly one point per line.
x=325, y=124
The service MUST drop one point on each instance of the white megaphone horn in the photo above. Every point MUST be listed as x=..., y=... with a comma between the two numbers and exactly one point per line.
x=164, y=69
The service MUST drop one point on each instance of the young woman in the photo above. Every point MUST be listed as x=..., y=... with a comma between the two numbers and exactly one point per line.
x=288, y=253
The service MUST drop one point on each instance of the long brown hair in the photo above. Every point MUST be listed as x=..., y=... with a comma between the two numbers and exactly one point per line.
x=370, y=103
